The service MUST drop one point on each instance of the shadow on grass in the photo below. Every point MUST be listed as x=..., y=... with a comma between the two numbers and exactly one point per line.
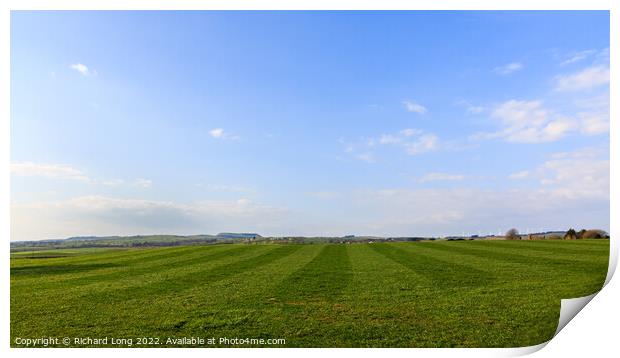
x=439, y=273
x=180, y=281
x=323, y=279
x=41, y=270
x=39, y=257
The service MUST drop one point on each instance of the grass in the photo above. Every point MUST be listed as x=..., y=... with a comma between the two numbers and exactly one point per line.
x=426, y=294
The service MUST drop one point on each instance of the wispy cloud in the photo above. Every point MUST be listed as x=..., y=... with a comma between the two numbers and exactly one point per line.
x=508, y=68
x=57, y=171
x=413, y=141
x=577, y=57
x=412, y=106
x=528, y=122
x=217, y=133
x=112, y=182
x=595, y=120
x=103, y=215
x=439, y=176
x=83, y=69
x=398, y=138
x=361, y=150
x=469, y=107
x=324, y=194
x=220, y=133
x=228, y=188
x=424, y=143
x=532, y=122
x=408, y=132
x=365, y=157
x=585, y=79
x=519, y=175
x=66, y=172
x=142, y=183
x=595, y=57
x=448, y=210
x=582, y=173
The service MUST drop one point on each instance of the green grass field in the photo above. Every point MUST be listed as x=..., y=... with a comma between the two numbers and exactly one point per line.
x=426, y=294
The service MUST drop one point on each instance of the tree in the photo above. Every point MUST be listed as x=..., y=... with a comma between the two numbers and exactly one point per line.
x=594, y=234
x=570, y=234
x=581, y=234
x=512, y=234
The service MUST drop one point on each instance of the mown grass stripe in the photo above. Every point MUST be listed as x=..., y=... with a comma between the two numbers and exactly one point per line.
x=534, y=253
x=45, y=267
x=386, y=304
x=439, y=273
x=234, y=268
x=111, y=256
x=507, y=256
x=544, y=247
x=322, y=279
x=541, y=252
x=155, y=263
x=185, y=281
x=92, y=256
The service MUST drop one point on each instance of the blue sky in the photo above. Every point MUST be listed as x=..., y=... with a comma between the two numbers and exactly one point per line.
x=308, y=123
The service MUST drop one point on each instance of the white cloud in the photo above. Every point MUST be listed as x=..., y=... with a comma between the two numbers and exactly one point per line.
x=390, y=139
x=528, y=122
x=216, y=133
x=361, y=149
x=479, y=211
x=572, y=191
x=57, y=171
x=65, y=172
x=577, y=57
x=603, y=56
x=415, y=141
x=469, y=107
x=400, y=137
x=408, y=132
x=414, y=107
x=142, y=183
x=101, y=215
x=112, y=182
x=593, y=123
x=324, y=194
x=583, y=173
x=365, y=157
x=594, y=118
x=519, y=175
x=532, y=122
x=230, y=188
x=585, y=79
x=83, y=69
x=423, y=144
x=220, y=133
x=438, y=176
x=508, y=68
x=475, y=109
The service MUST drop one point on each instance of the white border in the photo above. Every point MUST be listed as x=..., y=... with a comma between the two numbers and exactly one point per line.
x=593, y=331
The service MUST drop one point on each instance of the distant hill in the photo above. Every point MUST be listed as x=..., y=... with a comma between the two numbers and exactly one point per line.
x=238, y=235
x=130, y=241
x=86, y=238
